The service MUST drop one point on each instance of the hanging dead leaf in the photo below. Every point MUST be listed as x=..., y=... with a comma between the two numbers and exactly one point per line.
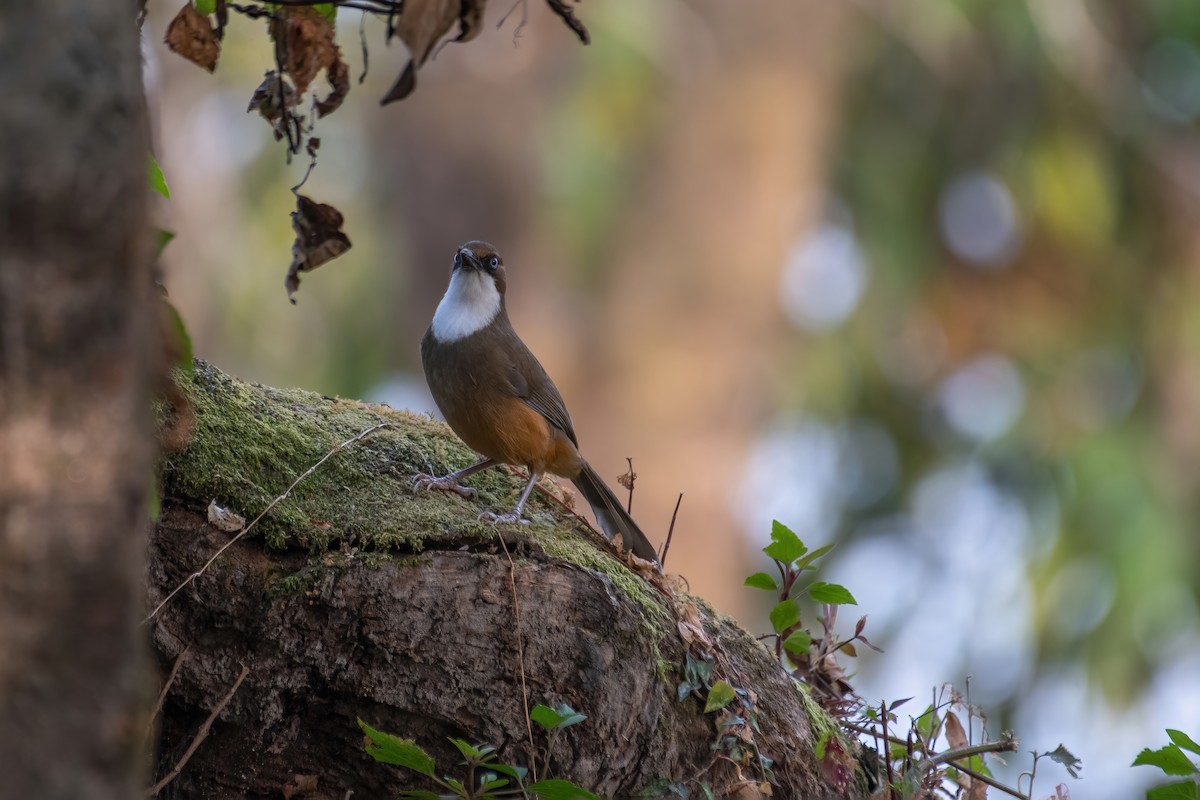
x=470, y=19
x=319, y=239
x=304, y=43
x=420, y=25
x=338, y=75
x=191, y=35
x=273, y=97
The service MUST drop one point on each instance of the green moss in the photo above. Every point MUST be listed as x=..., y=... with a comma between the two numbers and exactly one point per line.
x=293, y=584
x=822, y=724
x=251, y=442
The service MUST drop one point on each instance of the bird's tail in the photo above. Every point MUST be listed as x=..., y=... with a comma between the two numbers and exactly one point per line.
x=611, y=515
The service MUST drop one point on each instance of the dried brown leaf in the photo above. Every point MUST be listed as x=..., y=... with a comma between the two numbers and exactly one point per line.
x=191, y=35
x=956, y=736
x=224, y=519
x=319, y=239
x=305, y=44
x=627, y=479
x=338, y=75
x=470, y=19
x=421, y=24
x=270, y=99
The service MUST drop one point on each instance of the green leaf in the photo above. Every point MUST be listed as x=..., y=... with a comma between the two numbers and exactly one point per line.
x=559, y=789
x=182, y=340
x=393, y=750
x=488, y=782
x=562, y=717
x=545, y=716
x=708, y=792
x=1183, y=790
x=824, y=592
x=205, y=7
x=161, y=240
x=1169, y=759
x=806, y=562
x=927, y=723
x=719, y=696
x=761, y=580
x=1183, y=740
x=570, y=716
x=785, y=615
x=798, y=642
x=785, y=546
x=1062, y=755
x=327, y=10
x=154, y=174
x=469, y=752
x=516, y=773
x=822, y=743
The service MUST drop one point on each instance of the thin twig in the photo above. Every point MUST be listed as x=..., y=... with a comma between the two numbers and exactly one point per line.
x=263, y=513
x=662, y=559
x=362, y=38
x=512, y=585
x=199, y=737
x=632, y=478
x=524, y=4
x=378, y=6
x=166, y=687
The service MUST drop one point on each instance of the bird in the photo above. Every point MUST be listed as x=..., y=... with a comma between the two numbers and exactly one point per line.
x=498, y=399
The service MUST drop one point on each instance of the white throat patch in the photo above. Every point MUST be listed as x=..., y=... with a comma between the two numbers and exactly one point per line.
x=471, y=302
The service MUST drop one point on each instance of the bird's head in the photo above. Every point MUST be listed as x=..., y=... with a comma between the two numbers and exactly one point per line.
x=481, y=257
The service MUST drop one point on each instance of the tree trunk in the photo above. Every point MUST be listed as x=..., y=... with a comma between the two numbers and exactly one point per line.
x=403, y=610
x=75, y=432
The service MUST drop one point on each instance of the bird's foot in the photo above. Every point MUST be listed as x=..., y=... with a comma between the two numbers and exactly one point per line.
x=428, y=483
x=511, y=518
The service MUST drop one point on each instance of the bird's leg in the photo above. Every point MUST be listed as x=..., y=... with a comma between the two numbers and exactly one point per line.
x=514, y=517
x=450, y=483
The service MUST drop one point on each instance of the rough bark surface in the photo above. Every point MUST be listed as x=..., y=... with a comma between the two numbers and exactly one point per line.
x=76, y=453
x=398, y=609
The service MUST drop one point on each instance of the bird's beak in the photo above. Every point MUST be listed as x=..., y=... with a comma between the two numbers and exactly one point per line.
x=469, y=259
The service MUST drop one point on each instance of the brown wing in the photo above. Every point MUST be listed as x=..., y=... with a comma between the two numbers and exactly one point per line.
x=529, y=382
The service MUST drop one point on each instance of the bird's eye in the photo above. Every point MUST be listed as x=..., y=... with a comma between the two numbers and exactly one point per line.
x=493, y=262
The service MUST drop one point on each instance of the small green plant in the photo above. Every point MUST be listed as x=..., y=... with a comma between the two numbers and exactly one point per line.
x=806, y=657
x=486, y=778
x=1173, y=761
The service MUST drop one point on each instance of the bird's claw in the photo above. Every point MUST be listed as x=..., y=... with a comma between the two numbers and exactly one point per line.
x=510, y=518
x=428, y=483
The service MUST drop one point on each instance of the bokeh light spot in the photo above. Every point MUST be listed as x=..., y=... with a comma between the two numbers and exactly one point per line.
x=979, y=220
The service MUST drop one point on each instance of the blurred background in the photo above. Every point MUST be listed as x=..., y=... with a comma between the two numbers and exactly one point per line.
x=921, y=277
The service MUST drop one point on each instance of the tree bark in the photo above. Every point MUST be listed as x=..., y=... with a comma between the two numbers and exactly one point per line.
x=76, y=452
x=396, y=608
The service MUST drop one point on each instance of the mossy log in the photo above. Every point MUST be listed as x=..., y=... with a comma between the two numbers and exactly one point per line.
x=355, y=598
